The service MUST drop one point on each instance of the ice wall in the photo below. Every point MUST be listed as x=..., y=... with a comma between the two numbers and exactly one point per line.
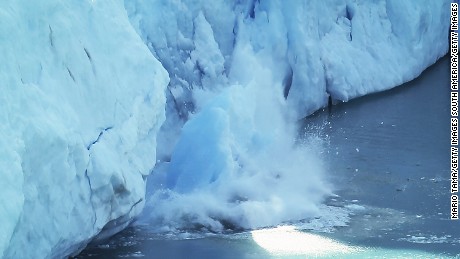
x=81, y=101
x=243, y=71
x=345, y=49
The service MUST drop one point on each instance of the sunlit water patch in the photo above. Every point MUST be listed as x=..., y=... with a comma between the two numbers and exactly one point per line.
x=287, y=240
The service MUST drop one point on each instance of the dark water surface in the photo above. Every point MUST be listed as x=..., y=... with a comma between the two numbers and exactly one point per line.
x=391, y=153
x=388, y=157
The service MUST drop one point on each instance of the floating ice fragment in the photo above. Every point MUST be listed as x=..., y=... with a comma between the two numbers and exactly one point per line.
x=355, y=207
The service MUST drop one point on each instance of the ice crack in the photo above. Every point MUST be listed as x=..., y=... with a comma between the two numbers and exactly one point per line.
x=91, y=198
x=98, y=137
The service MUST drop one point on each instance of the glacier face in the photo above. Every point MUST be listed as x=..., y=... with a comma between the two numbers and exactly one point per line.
x=81, y=101
x=242, y=72
x=344, y=49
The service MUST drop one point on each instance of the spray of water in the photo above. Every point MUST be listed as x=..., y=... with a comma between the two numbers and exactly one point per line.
x=237, y=163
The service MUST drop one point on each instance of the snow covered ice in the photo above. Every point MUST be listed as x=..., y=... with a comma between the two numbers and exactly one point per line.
x=83, y=97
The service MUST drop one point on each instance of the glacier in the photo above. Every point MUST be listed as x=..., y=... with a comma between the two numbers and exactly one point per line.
x=243, y=72
x=86, y=86
x=81, y=101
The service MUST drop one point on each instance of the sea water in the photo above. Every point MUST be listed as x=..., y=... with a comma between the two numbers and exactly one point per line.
x=387, y=157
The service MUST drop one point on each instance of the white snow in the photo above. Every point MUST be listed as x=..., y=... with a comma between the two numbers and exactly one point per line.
x=81, y=101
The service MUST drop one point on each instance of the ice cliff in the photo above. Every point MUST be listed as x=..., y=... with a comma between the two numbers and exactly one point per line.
x=82, y=99
x=342, y=48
